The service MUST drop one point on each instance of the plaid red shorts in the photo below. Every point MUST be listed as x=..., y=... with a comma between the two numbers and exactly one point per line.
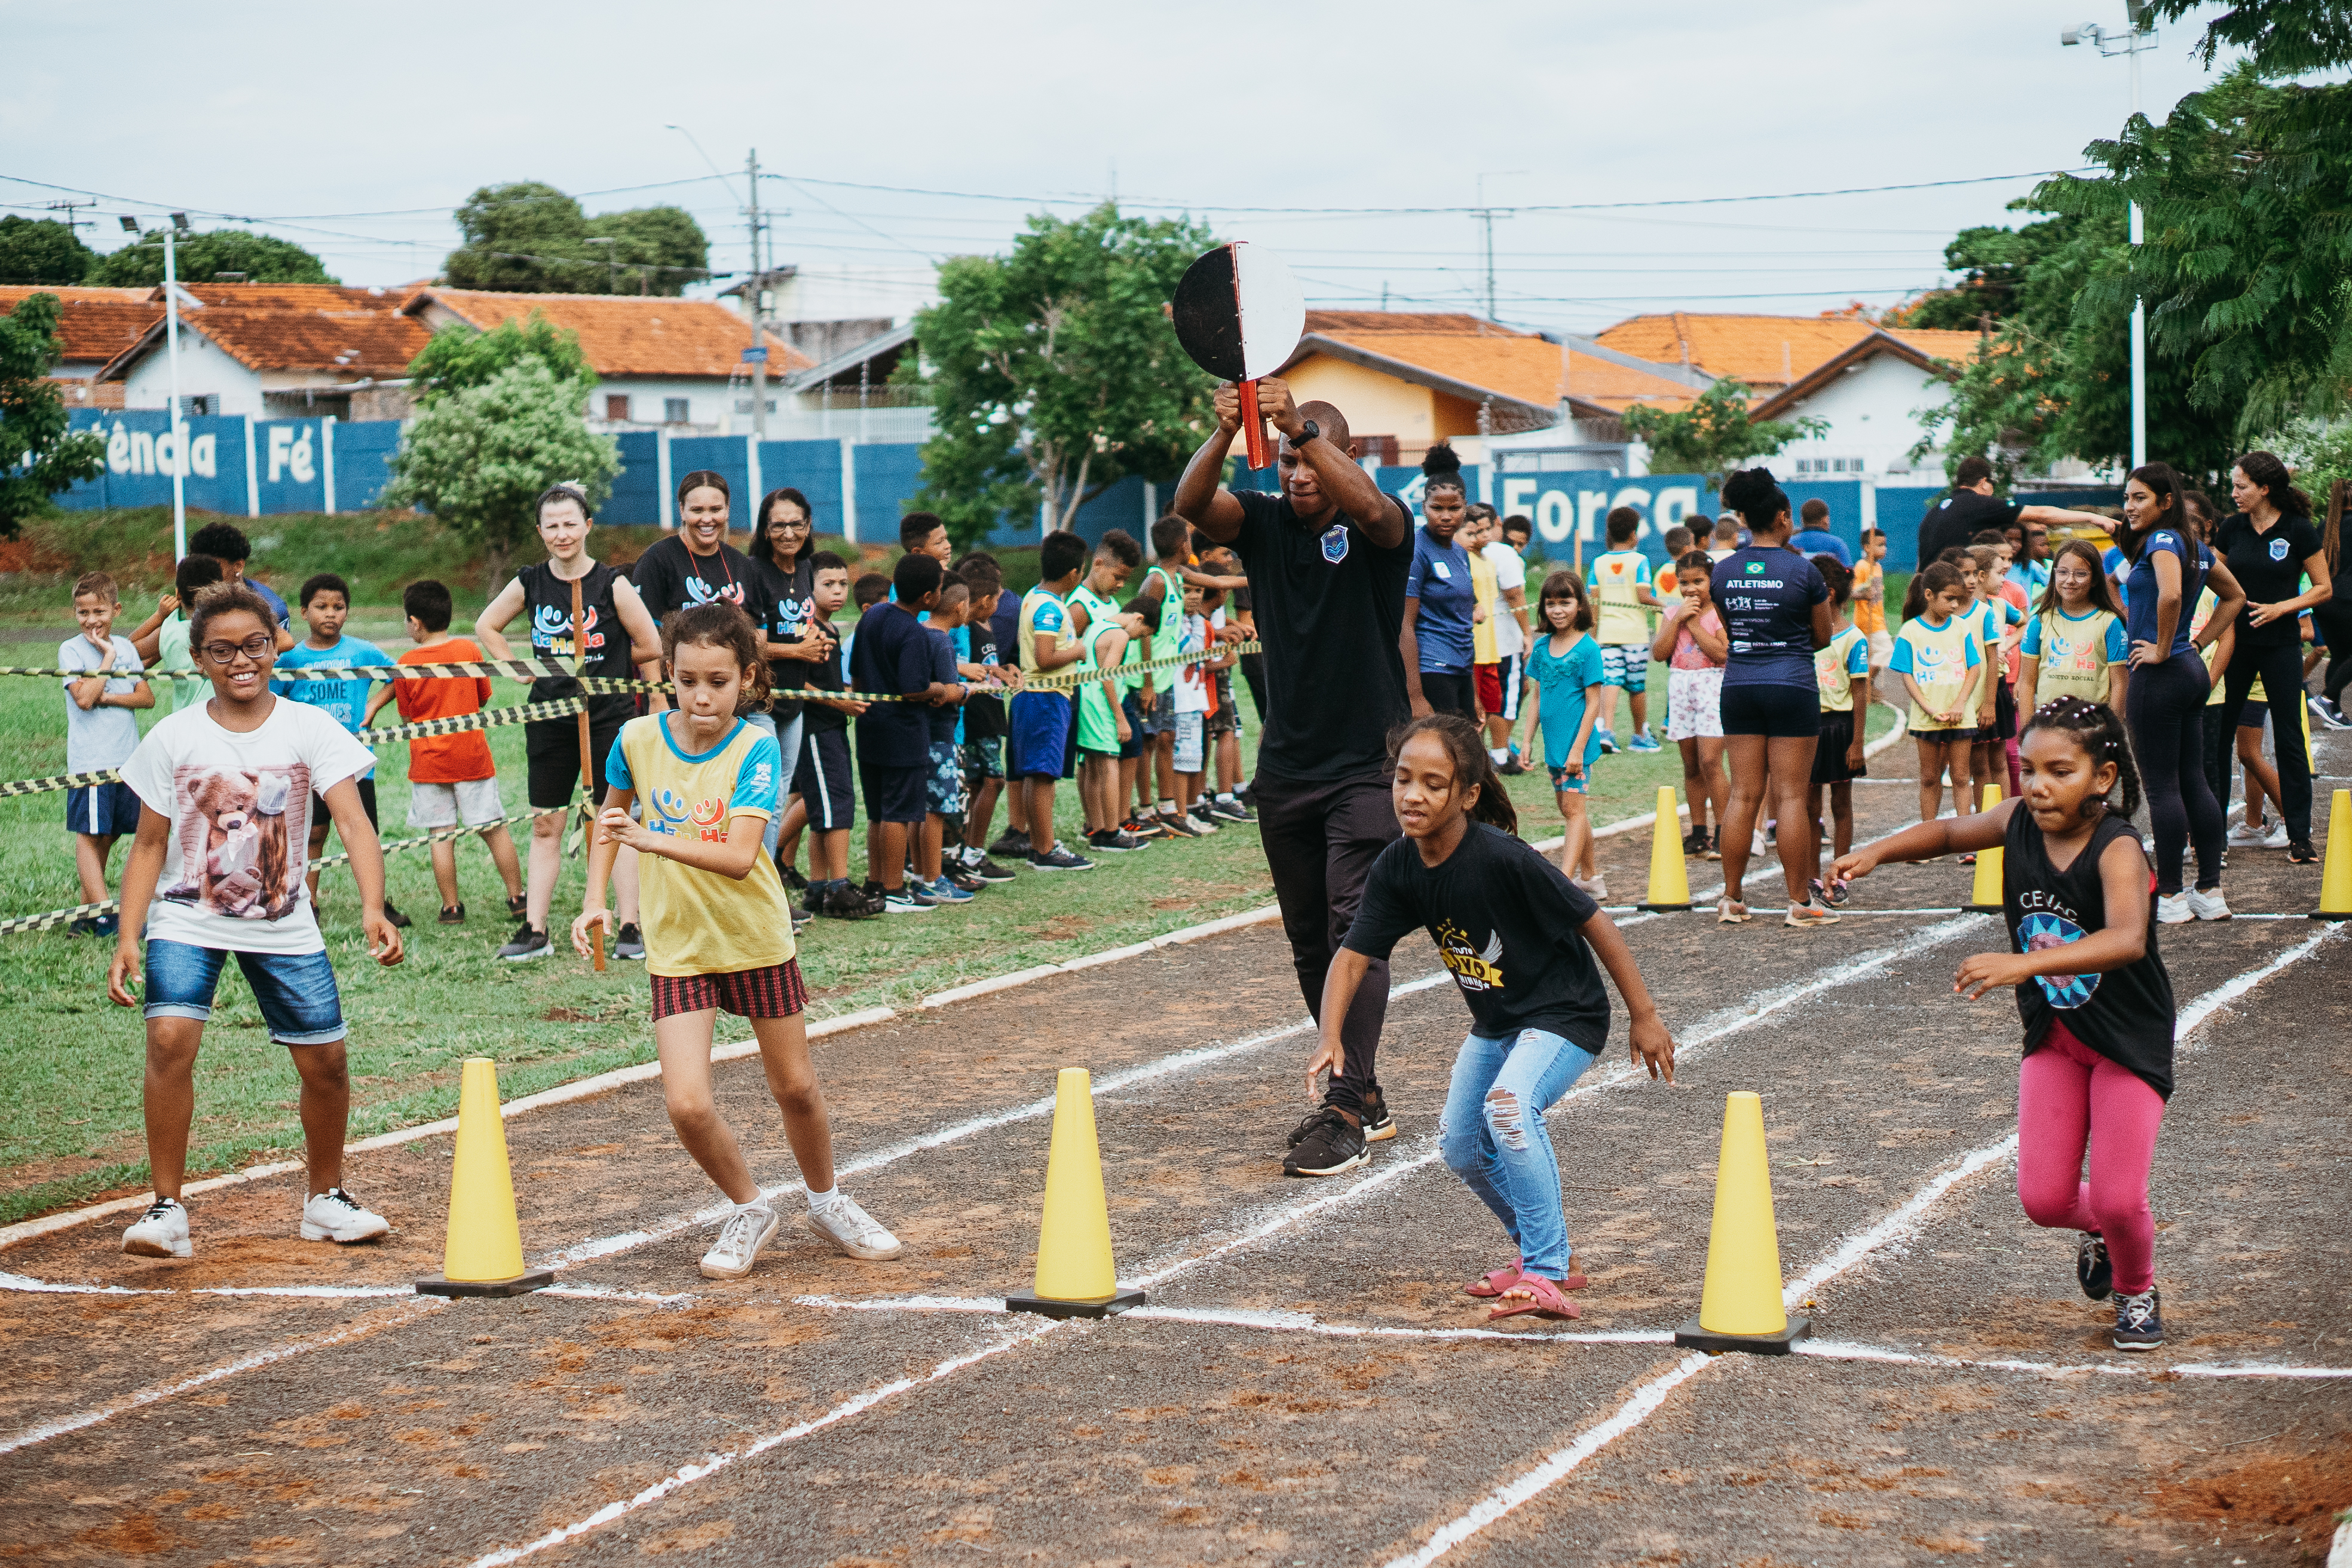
x=775, y=992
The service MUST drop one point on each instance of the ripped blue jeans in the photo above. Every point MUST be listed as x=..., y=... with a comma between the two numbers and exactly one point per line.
x=1493, y=1136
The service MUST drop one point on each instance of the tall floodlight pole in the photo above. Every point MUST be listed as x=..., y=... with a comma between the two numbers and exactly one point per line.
x=2139, y=35
x=759, y=354
x=179, y=429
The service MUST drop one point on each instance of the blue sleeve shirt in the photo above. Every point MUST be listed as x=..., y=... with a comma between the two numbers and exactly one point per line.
x=1439, y=579
x=2140, y=588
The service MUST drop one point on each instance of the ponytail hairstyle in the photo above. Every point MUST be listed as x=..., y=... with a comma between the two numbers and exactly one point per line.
x=2170, y=491
x=1441, y=470
x=558, y=493
x=2103, y=587
x=719, y=625
x=1700, y=565
x=2100, y=734
x=1838, y=575
x=2270, y=471
x=1936, y=577
x=1465, y=747
x=716, y=481
x=1759, y=498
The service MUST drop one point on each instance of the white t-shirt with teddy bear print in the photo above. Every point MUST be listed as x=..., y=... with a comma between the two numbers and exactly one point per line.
x=240, y=811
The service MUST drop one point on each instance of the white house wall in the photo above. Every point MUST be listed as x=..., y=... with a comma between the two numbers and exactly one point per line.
x=204, y=371
x=1873, y=411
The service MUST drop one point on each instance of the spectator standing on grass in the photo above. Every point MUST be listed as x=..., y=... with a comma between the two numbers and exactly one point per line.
x=1224, y=726
x=781, y=553
x=1567, y=684
x=225, y=788
x=161, y=638
x=451, y=779
x=823, y=797
x=943, y=784
x=617, y=637
x=326, y=603
x=995, y=738
x=1328, y=560
x=1441, y=602
x=1093, y=603
x=720, y=926
x=225, y=543
x=892, y=655
x=1505, y=552
x=101, y=732
x=1041, y=747
x=1160, y=602
x=1813, y=536
x=1621, y=591
x=981, y=749
x=1692, y=642
x=1870, y=598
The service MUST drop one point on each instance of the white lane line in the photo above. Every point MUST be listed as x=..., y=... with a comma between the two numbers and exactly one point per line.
x=689, y=1473
x=1250, y=1318
x=96, y=1414
x=1848, y=1254
x=1842, y=1349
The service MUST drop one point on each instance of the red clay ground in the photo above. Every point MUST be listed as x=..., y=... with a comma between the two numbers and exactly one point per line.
x=1293, y=1394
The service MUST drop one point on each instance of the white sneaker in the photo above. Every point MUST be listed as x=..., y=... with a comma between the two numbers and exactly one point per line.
x=2241, y=834
x=161, y=1232
x=852, y=1230
x=741, y=1241
x=2276, y=838
x=1594, y=887
x=335, y=1215
x=2208, y=904
x=2174, y=910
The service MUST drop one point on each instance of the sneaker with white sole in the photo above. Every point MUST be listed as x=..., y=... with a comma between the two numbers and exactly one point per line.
x=526, y=944
x=741, y=1239
x=2139, y=1321
x=335, y=1215
x=1809, y=914
x=1593, y=887
x=161, y=1232
x=852, y=1230
x=2276, y=838
x=2172, y=909
x=2247, y=835
x=2208, y=904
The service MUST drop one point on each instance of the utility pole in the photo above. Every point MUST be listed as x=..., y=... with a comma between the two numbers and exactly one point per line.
x=178, y=224
x=1486, y=216
x=757, y=352
x=2139, y=34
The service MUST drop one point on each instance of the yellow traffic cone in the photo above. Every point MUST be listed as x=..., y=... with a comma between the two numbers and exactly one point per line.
x=2335, y=881
x=1984, y=899
x=1740, y=1308
x=1075, y=1276
x=1669, y=883
x=483, y=1255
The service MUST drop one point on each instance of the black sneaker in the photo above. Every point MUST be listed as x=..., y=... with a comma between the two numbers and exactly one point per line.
x=963, y=879
x=2301, y=853
x=1060, y=859
x=453, y=915
x=791, y=876
x=1144, y=827
x=520, y=905
x=525, y=944
x=402, y=923
x=1331, y=1145
x=1378, y=1125
x=1225, y=810
x=629, y=942
x=86, y=926
x=2140, y=1325
x=2093, y=1269
x=1114, y=841
x=1176, y=825
x=847, y=901
x=986, y=869
x=1012, y=846
x=1512, y=767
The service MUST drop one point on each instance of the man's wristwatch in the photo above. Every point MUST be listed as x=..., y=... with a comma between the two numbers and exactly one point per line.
x=1306, y=433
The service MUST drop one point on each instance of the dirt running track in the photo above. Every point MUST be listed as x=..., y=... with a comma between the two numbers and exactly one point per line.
x=1307, y=1386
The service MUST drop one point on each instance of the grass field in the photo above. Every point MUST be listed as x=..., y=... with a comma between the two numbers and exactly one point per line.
x=71, y=1074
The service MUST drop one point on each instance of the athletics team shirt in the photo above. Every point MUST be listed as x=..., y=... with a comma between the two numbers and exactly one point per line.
x=790, y=599
x=697, y=921
x=1330, y=603
x=1766, y=596
x=1941, y=658
x=2140, y=592
x=1616, y=574
x=1439, y=579
x=2075, y=651
x=1839, y=666
x=2269, y=566
x=2126, y=1015
x=1507, y=926
x=345, y=699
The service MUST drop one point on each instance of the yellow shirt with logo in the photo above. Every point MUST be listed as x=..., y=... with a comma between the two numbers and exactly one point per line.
x=1940, y=660
x=1042, y=610
x=2072, y=655
x=1837, y=667
x=1615, y=574
x=698, y=921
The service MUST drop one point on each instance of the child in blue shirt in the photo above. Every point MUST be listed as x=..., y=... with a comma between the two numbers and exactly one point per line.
x=326, y=605
x=1566, y=681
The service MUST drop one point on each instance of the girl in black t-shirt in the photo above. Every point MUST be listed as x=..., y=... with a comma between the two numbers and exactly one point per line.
x=2077, y=897
x=782, y=540
x=2270, y=547
x=1520, y=942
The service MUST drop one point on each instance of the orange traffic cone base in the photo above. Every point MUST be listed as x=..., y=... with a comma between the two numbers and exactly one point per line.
x=520, y=1285
x=1109, y=1306
x=1691, y=1336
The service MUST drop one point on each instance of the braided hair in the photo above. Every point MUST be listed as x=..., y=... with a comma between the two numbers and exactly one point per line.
x=2100, y=733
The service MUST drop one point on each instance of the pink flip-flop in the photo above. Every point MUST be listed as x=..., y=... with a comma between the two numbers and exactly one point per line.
x=1545, y=1300
x=1495, y=1282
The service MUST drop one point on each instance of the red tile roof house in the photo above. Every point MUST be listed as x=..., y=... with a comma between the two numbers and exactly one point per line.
x=95, y=325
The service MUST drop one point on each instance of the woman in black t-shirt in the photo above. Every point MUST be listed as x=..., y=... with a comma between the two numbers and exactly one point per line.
x=2270, y=547
x=781, y=544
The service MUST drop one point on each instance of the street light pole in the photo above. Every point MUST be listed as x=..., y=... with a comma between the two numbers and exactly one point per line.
x=179, y=430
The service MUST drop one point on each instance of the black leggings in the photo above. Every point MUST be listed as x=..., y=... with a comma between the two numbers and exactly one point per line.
x=2220, y=758
x=2334, y=621
x=2280, y=668
x=2166, y=710
x=1452, y=691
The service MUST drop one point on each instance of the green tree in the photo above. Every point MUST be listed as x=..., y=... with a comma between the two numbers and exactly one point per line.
x=528, y=237
x=1053, y=373
x=458, y=356
x=38, y=456
x=199, y=257
x=41, y=251
x=478, y=457
x=1994, y=264
x=1715, y=434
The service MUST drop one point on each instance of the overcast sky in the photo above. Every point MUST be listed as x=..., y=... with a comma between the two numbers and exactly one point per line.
x=354, y=130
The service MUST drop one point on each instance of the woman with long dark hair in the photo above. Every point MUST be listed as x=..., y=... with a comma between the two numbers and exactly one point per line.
x=783, y=542
x=2333, y=619
x=1775, y=614
x=2270, y=547
x=2164, y=702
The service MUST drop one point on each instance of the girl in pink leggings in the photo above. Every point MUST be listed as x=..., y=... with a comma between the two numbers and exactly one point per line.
x=2079, y=900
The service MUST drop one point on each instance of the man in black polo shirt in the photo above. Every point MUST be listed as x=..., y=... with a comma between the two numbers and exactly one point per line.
x=1327, y=561
x=1972, y=507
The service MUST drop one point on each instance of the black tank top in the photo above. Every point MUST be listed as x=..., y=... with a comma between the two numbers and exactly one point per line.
x=547, y=599
x=2126, y=1015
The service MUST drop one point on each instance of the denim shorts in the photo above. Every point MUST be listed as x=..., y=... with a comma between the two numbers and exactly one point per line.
x=295, y=991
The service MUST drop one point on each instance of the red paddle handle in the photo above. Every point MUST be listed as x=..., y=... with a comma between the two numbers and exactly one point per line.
x=1253, y=427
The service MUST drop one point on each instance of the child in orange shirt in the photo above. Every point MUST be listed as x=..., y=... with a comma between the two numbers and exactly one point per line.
x=451, y=778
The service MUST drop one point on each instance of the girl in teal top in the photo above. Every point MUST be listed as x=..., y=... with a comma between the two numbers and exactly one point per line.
x=1565, y=684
